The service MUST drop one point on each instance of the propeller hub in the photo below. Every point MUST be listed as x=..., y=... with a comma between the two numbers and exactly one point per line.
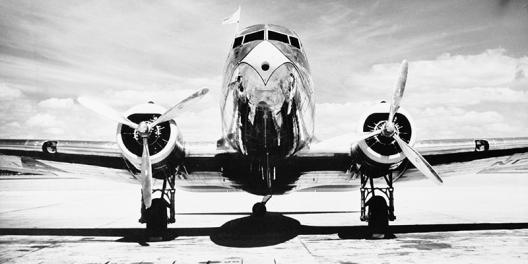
x=388, y=129
x=143, y=129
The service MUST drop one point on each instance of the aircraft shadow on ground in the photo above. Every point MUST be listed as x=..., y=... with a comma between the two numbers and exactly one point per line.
x=254, y=231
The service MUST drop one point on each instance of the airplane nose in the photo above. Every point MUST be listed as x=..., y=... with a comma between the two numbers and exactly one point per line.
x=267, y=80
x=265, y=58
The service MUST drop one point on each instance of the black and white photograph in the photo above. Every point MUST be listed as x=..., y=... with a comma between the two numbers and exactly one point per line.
x=295, y=131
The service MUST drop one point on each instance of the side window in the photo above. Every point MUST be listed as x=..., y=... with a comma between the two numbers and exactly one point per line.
x=259, y=35
x=238, y=42
x=272, y=35
x=295, y=42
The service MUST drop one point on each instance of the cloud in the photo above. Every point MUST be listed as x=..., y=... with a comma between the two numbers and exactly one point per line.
x=488, y=69
x=167, y=94
x=42, y=120
x=449, y=96
x=13, y=125
x=8, y=93
x=202, y=125
x=466, y=97
x=437, y=121
x=129, y=53
x=54, y=131
x=491, y=68
x=333, y=119
x=56, y=103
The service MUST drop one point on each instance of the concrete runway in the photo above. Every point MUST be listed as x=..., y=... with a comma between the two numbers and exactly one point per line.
x=453, y=247
x=50, y=219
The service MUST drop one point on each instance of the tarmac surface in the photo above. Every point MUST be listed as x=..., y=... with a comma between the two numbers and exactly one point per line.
x=475, y=217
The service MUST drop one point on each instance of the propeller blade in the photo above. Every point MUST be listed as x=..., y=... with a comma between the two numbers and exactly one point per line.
x=105, y=111
x=369, y=135
x=146, y=175
x=418, y=161
x=175, y=110
x=398, y=91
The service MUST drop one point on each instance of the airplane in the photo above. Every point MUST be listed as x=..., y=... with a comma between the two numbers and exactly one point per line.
x=267, y=145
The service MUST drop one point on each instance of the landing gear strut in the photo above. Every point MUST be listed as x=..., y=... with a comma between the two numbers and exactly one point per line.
x=156, y=216
x=379, y=213
x=268, y=175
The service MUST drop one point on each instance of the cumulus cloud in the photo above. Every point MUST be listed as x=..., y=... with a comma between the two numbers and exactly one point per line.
x=440, y=122
x=492, y=68
x=449, y=96
x=466, y=97
x=333, y=119
x=520, y=81
x=42, y=120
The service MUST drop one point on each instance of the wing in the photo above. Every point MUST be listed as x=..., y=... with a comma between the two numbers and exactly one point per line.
x=200, y=171
x=320, y=168
x=64, y=158
x=329, y=165
x=471, y=156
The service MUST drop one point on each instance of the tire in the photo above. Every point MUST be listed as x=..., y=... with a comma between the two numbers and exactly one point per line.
x=157, y=218
x=378, y=216
x=259, y=209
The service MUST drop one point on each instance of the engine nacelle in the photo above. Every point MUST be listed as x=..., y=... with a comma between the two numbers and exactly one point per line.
x=165, y=141
x=378, y=154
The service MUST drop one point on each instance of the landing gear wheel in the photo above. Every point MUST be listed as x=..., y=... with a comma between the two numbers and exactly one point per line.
x=378, y=218
x=259, y=209
x=157, y=220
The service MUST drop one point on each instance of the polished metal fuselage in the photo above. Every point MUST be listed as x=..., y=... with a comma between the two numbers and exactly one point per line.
x=267, y=102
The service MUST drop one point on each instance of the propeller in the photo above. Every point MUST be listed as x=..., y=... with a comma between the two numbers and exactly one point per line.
x=389, y=130
x=371, y=134
x=418, y=160
x=146, y=175
x=105, y=111
x=144, y=129
x=398, y=91
x=175, y=110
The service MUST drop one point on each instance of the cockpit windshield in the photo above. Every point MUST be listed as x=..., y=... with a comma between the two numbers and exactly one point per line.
x=259, y=35
x=295, y=42
x=272, y=35
x=238, y=42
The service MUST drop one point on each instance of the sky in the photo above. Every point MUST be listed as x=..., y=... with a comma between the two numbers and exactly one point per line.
x=468, y=62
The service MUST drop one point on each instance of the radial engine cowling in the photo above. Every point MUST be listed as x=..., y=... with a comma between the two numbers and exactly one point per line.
x=165, y=141
x=378, y=154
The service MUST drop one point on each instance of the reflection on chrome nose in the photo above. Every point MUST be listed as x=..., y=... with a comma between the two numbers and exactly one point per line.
x=273, y=97
x=265, y=78
x=265, y=59
x=263, y=107
x=278, y=92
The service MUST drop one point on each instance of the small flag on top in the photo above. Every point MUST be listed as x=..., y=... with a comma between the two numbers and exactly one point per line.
x=234, y=18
